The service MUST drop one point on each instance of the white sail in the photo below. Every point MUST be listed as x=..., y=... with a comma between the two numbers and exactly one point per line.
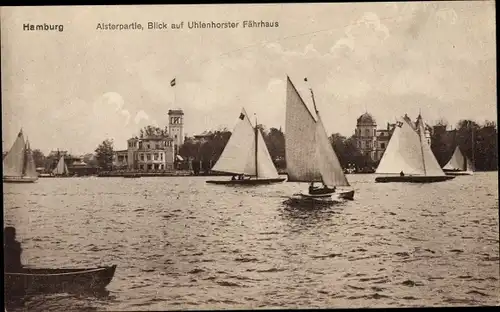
x=240, y=155
x=13, y=163
x=329, y=164
x=30, y=168
x=403, y=152
x=459, y=162
x=408, y=152
x=431, y=165
x=300, y=139
x=265, y=165
x=456, y=162
x=61, y=167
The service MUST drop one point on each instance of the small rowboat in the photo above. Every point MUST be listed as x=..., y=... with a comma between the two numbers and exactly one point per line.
x=58, y=280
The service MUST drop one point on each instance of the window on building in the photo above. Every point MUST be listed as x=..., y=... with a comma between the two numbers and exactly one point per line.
x=142, y=156
x=367, y=132
x=161, y=156
x=382, y=145
x=148, y=156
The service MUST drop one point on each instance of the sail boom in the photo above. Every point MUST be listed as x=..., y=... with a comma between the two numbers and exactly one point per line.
x=304, y=180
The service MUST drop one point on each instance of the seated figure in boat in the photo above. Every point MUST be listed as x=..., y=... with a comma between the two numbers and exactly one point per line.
x=233, y=178
x=401, y=174
x=12, y=250
x=324, y=190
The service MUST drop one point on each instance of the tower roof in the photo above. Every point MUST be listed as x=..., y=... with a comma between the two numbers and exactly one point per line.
x=366, y=119
x=175, y=112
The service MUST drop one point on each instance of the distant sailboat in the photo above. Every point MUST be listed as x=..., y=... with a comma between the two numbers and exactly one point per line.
x=459, y=164
x=308, y=151
x=18, y=164
x=408, y=157
x=61, y=169
x=246, y=154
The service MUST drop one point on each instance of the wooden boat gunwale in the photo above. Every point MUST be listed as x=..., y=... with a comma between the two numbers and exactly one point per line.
x=68, y=271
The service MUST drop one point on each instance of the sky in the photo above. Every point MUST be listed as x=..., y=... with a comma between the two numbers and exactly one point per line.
x=70, y=90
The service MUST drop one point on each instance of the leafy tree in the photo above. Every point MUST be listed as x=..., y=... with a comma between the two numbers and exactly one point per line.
x=90, y=160
x=275, y=143
x=152, y=131
x=348, y=152
x=442, y=142
x=104, y=154
x=39, y=158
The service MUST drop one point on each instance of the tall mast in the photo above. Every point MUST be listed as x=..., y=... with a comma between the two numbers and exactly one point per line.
x=422, y=127
x=25, y=156
x=314, y=102
x=256, y=144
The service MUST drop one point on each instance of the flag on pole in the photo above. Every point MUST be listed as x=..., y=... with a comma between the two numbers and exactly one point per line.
x=242, y=116
x=172, y=83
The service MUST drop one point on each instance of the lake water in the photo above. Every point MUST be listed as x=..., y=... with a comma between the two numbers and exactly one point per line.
x=180, y=243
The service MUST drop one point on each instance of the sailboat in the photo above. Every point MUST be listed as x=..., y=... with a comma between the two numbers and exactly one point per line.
x=459, y=164
x=246, y=154
x=309, y=154
x=408, y=157
x=61, y=169
x=18, y=164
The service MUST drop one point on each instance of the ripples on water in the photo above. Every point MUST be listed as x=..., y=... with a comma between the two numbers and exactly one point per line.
x=180, y=243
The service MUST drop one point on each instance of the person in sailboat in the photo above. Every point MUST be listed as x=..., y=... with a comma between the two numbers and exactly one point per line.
x=12, y=250
x=312, y=188
x=233, y=178
x=324, y=190
x=402, y=174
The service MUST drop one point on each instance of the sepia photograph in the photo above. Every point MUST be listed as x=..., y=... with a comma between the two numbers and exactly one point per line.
x=250, y=156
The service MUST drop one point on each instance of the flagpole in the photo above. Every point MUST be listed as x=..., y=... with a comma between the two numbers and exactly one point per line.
x=175, y=94
x=256, y=152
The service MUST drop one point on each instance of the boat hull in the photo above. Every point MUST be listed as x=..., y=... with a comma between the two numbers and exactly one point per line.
x=321, y=191
x=458, y=173
x=58, y=280
x=20, y=179
x=413, y=179
x=341, y=195
x=247, y=181
x=132, y=176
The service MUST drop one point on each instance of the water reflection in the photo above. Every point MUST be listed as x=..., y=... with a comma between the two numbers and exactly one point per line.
x=307, y=215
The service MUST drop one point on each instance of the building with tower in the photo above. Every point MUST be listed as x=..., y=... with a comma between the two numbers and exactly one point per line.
x=153, y=152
